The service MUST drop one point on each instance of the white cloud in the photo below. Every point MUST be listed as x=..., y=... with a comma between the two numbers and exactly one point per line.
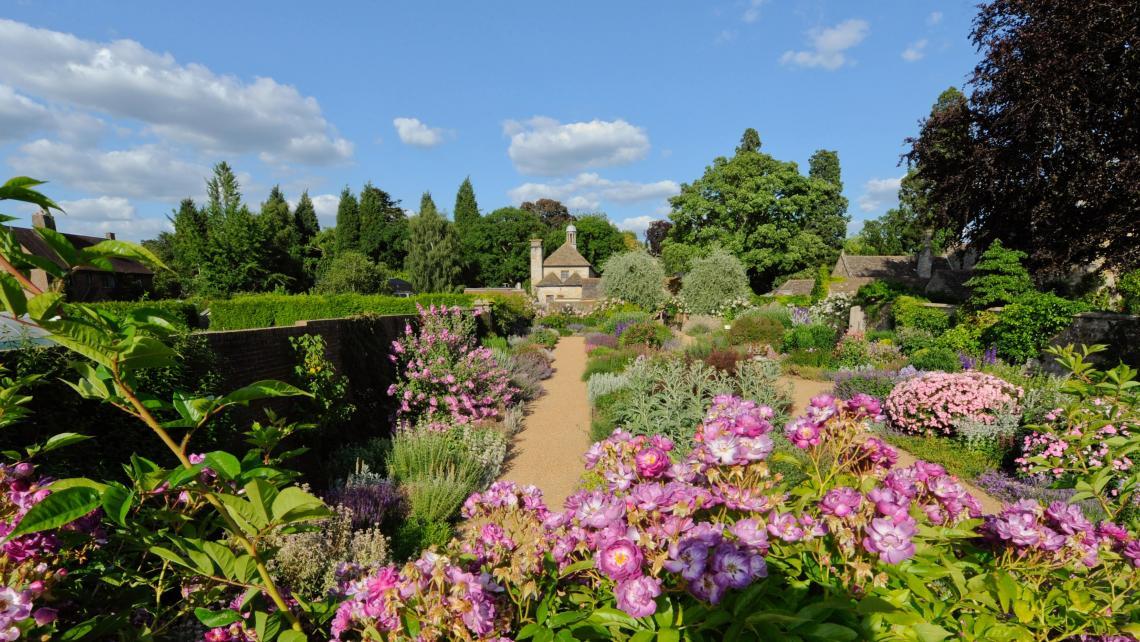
x=99, y=215
x=829, y=46
x=588, y=191
x=148, y=171
x=915, y=51
x=185, y=103
x=101, y=208
x=752, y=11
x=325, y=205
x=934, y=18
x=416, y=133
x=880, y=194
x=636, y=224
x=545, y=147
x=22, y=117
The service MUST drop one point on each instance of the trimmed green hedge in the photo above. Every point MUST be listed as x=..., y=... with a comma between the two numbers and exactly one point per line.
x=273, y=310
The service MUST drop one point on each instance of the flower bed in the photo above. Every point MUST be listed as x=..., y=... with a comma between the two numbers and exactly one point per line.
x=931, y=403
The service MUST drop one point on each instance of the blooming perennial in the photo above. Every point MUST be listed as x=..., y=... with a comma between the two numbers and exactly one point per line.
x=931, y=402
x=444, y=376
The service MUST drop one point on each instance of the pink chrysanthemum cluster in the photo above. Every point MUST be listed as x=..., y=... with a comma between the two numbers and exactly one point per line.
x=444, y=375
x=930, y=403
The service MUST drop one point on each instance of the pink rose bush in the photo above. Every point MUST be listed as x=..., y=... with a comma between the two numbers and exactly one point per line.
x=930, y=403
x=654, y=532
x=444, y=375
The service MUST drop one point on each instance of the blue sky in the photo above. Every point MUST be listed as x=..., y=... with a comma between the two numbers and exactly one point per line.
x=609, y=106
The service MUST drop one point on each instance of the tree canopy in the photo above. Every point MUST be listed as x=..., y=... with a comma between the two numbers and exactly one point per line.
x=498, y=246
x=434, y=256
x=466, y=208
x=383, y=227
x=598, y=238
x=347, y=222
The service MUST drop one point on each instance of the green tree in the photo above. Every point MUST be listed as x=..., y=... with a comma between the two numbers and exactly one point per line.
x=635, y=277
x=713, y=281
x=466, y=210
x=427, y=204
x=999, y=277
x=190, y=243
x=902, y=230
x=237, y=248
x=434, y=257
x=749, y=142
x=284, y=253
x=167, y=284
x=351, y=271
x=383, y=227
x=831, y=225
x=553, y=213
x=764, y=211
x=305, y=220
x=498, y=245
x=676, y=257
x=347, y=222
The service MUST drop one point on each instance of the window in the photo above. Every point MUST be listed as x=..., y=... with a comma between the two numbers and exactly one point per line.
x=565, y=274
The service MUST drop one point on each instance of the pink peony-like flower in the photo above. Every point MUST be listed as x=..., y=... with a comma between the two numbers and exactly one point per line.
x=652, y=462
x=620, y=559
x=638, y=596
x=890, y=538
x=841, y=501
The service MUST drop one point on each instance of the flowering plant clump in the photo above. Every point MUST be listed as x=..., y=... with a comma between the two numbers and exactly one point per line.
x=833, y=310
x=444, y=374
x=930, y=403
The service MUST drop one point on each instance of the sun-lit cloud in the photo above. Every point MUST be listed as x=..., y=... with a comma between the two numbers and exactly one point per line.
x=915, y=51
x=545, y=147
x=880, y=194
x=414, y=132
x=829, y=46
x=588, y=191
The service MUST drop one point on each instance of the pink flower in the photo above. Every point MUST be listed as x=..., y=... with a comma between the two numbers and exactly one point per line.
x=620, y=560
x=841, y=501
x=637, y=596
x=891, y=538
x=652, y=462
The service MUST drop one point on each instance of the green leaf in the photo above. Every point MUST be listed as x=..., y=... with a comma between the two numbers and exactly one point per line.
x=294, y=505
x=668, y=635
x=292, y=636
x=60, y=245
x=113, y=249
x=642, y=636
x=117, y=502
x=144, y=352
x=607, y=616
x=826, y=631
x=12, y=295
x=62, y=440
x=261, y=495
x=19, y=189
x=927, y=632
x=262, y=390
x=222, y=556
x=215, y=619
x=226, y=465
x=44, y=306
x=59, y=508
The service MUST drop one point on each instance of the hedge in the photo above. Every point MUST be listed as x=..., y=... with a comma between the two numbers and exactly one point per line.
x=910, y=312
x=244, y=312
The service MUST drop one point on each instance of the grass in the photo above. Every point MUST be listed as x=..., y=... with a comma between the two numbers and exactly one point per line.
x=952, y=455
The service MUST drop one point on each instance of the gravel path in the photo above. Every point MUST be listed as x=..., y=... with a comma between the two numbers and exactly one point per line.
x=548, y=450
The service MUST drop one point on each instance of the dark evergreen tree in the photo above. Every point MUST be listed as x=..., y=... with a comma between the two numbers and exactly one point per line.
x=466, y=208
x=191, y=235
x=553, y=213
x=347, y=222
x=749, y=141
x=999, y=277
x=427, y=204
x=285, y=254
x=830, y=224
x=434, y=253
x=383, y=227
x=305, y=220
x=236, y=250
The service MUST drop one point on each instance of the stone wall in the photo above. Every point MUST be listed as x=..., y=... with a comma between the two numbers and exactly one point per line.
x=1120, y=332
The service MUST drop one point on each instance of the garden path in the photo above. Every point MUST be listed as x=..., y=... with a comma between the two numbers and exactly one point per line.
x=804, y=389
x=548, y=450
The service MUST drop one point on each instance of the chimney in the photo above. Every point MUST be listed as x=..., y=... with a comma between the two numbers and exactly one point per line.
x=43, y=219
x=535, y=264
x=110, y=236
x=926, y=256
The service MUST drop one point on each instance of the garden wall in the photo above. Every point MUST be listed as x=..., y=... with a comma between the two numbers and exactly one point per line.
x=1120, y=332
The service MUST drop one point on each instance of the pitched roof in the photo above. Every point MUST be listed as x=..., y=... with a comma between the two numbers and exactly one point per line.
x=550, y=279
x=566, y=256
x=894, y=268
x=573, y=279
x=34, y=244
x=794, y=287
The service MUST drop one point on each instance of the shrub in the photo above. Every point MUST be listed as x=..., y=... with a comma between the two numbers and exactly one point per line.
x=528, y=365
x=328, y=408
x=911, y=340
x=774, y=311
x=510, y=313
x=811, y=358
x=1129, y=288
x=876, y=383
x=623, y=319
x=835, y=311
x=444, y=375
x=308, y=562
x=635, y=277
x=756, y=329
x=998, y=278
x=724, y=360
x=605, y=383
x=966, y=337
x=910, y=312
x=996, y=436
x=376, y=503
x=697, y=329
x=647, y=333
x=600, y=339
x=366, y=456
x=813, y=336
x=417, y=534
x=931, y=403
x=183, y=314
x=711, y=281
x=822, y=283
x=936, y=358
x=852, y=351
x=351, y=272
x=544, y=337
x=275, y=310
x=948, y=453
x=607, y=360
x=1025, y=326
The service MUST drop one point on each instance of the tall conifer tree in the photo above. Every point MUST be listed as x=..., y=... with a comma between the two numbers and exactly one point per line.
x=347, y=222
x=434, y=262
x=466, y=208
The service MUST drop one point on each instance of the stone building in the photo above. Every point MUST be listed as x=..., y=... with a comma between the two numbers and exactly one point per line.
x=564, y=277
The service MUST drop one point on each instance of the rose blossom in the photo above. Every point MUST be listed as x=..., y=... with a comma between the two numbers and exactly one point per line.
x=620, y=559
x=637, y=596
x=891, y=538
x=841, y=501
x=652, y=462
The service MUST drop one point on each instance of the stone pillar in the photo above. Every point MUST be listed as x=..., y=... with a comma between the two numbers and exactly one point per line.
x=535, y=264
x=857, y=320
x=926, y=256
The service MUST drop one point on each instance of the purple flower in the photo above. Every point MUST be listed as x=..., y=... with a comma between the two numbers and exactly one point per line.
x=599, y=510
x=688, y=558
x=888, y=503
x=750, y=533
x=803, y=432
x=863, y=405
x=785, y=527
x=841, y=501
x=891, y=538
x=652, y=462
x=620, y=559
x=1068, y=518
x=1131, y=552
x=638, y=596
x=736, y=568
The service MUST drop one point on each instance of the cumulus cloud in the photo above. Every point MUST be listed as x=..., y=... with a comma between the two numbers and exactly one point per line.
x=829, y=46
x=543, y=146
x=752, y=10
x=638, y=224
x=880, y=194
x=934, y=18
x=99, y=215
x=148, y=171
x=915, y=51
x=414, y=132
x=588, y=191
x=184, y=103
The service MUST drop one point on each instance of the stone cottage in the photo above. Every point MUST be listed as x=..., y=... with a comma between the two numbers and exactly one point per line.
x=564, y=277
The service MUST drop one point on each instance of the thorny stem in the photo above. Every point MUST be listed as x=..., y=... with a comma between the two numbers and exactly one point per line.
x=270, y=587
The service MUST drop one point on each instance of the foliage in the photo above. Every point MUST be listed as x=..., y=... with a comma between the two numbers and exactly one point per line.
x=822, y=283
x=351, y=272
x=813, y=336
x=833, y=310
x=869, y=381
x=756, y=329
x=383, y=228
x=998, y=278
x=601, y=384
x=902, y=230
x=277, y=310
x=1129, y=287
x=434, y=251
x=544, y=337
x=911, y=340
x=347, y=222
x=910, y=312
x=366, y=456
x=444, y=375
x=763, y=211
x=711, y=280
x=646, y=333
x=184, y=314
x=466, y=210
x=635, y=277
x=933, y=403
x=964, y=462
x=1038, y=155
x=496, y=245
x=1025, y=326
x=608, y=360
x=315, y=374
x=936, y=358
x=600, y=340
x=655, y=236
x=1090, y=442
x=554, y=214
